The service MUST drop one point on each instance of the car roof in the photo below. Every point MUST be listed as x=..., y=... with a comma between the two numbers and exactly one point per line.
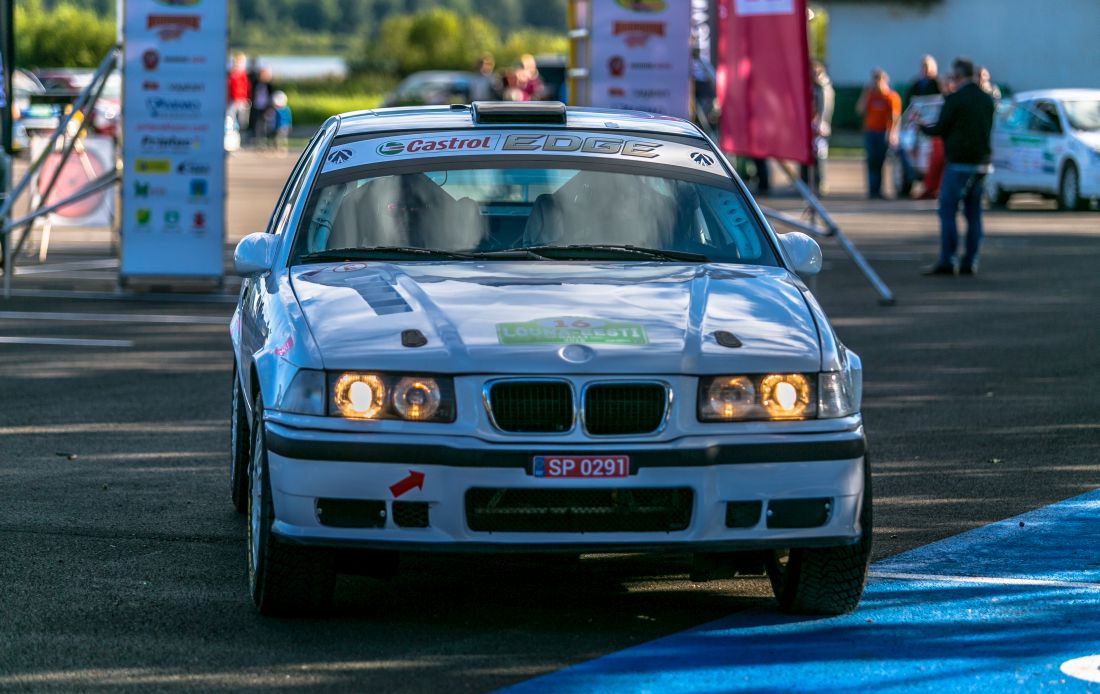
x=1060, y=94
x=461, y=116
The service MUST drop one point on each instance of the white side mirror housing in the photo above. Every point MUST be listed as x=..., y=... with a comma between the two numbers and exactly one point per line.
x=255, y=254
x=803, y=252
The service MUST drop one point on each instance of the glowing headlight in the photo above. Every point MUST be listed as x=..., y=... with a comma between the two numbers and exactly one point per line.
x=785, y=396
x=360, y=396
x=729, y=397
x=416, y=398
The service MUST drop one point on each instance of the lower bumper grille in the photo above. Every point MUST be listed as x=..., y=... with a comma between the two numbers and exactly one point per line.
x=578, y=510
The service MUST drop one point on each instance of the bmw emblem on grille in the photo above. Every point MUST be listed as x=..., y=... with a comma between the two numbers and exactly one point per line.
x=702, y=159
x=339, y=156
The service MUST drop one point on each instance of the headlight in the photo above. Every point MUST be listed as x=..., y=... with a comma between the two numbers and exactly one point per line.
x=305, y=395
x=771, y=396
x=357, y=395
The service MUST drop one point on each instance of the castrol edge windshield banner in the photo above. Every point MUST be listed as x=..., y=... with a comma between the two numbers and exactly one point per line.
x=641, y=55
x=173, y=138
x=764, y=79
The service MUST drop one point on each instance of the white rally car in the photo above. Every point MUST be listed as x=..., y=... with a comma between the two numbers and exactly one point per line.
x=1048, y=142
x=517, y=327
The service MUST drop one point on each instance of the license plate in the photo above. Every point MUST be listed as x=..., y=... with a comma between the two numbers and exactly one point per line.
x=581, y=466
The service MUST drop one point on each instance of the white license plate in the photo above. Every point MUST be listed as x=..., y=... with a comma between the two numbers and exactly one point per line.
x=581, y=466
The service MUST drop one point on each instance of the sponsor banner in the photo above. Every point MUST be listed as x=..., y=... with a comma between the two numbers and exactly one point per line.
x=763, y=79
x=465, y=143
x=173, y=191
x=641, y=55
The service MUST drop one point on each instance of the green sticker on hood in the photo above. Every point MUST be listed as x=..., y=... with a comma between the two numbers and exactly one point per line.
x=571, y=330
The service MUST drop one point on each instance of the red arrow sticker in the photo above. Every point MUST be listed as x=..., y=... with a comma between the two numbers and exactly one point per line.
x=415, y=479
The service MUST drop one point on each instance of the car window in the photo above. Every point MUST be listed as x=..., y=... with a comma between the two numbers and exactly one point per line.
x=503, y=208
x=1015, y=117
x=1044, y=118
x=293, y=188
x=1083, y=114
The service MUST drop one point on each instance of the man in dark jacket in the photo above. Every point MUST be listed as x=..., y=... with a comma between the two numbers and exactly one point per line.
x=964, y=124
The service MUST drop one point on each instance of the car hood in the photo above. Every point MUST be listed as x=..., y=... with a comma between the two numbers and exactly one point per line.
x=555, y=317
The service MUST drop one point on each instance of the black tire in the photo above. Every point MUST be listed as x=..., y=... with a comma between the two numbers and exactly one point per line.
x=239, y=440
x=284, y=579
x=1069, y=190
x=825, y=581
x=999, y=197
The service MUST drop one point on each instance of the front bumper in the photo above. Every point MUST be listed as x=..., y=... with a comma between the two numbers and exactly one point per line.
x=309, y=468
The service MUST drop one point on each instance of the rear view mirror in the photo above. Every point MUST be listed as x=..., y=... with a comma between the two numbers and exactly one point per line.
x=255, y=254
x=803, y=252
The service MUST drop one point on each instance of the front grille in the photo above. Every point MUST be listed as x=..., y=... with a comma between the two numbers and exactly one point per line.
x=624, y=408
x=532, y=406
x=578, y=510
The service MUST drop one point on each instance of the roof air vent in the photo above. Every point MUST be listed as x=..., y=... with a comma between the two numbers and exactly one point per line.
x=523, y=112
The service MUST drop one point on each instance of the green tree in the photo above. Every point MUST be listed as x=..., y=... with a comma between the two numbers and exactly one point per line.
x=65, y=35
x=432, y=39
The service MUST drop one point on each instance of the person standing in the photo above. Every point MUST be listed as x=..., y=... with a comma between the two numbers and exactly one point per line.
x=240, y=91
x=880, y=107
x=263, y=108
x=927, y=82
x=988, y=85
x=821, y=125
x=965, y=123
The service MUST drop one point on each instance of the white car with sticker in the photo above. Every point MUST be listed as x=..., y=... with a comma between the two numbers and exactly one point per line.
x=1048, y=142
x=521, y=327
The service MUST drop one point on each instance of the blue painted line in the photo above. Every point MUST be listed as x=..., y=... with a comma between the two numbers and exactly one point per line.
x=998, y=608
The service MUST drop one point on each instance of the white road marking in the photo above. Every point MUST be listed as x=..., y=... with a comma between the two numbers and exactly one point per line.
x=114, y=317
x=1087, y=668
x=160, y=297
x=989, y=580
x=107, y=264
x=64, y=341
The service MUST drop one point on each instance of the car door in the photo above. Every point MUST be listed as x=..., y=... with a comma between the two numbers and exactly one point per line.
x=1011, y=142
x=1045, y=128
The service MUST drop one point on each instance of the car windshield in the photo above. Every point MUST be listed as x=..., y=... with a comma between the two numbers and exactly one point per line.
x=1083, y=115
x=525, y=213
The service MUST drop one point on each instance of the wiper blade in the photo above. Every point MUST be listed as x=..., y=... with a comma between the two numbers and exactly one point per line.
x=586, y=251
x=510, y=254
x=381, y=253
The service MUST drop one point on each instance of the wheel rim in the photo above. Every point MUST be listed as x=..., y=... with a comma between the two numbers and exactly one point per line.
x=1069, y=188
x=255, y=510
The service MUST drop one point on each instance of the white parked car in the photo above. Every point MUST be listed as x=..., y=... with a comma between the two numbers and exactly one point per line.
x=516, y=327
x=1048, y=142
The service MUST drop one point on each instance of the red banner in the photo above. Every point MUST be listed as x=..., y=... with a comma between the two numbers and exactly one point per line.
x=764, y=79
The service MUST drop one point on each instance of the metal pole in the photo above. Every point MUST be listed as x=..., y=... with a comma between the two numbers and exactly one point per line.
x=104, y=181
x=886, y=297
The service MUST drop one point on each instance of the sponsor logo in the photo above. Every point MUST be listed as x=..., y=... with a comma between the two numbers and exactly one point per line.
x=185, y=59
x=178, y=3
x=172, y=128
x=143, y=215
x=150, y=59
x=141, y=190
x=702, y=159
x=186, y=87
x=616, y=66
x=198, y=221
x=616, y=91
x=451, y=144
x=163, y=107
x=193, y=168
x=152, y=166
x=339, y=156
x=169, y=143
x=169, y=27
x=198, y=187
x=150, y=86
x=597, y=144
x=171, y=218
x=637, y=34
x=759, y=7
x=643, y=5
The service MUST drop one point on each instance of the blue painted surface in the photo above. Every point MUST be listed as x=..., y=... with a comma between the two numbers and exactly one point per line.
x=1036, y=605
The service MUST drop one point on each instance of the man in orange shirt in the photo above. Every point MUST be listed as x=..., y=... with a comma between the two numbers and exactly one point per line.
x=880, y=107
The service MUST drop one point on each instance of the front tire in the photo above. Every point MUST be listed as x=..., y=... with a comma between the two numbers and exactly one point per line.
x=826, y=581
x=284, y=579
x=238, y=447
x=1069, y=190
x=998, y=197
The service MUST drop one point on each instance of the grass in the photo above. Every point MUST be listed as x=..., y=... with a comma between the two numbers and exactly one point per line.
x=315, y=108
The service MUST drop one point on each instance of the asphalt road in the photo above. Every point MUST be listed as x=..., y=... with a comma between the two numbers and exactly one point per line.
x=122, y=562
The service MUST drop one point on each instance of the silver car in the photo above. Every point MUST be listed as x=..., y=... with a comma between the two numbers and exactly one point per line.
x=517, y=327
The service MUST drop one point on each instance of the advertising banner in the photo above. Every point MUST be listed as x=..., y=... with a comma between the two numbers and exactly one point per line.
x=173, y=114
x=641, y=55
x=764, y=79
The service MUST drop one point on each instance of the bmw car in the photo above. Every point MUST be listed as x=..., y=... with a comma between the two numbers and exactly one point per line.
x=530, y=328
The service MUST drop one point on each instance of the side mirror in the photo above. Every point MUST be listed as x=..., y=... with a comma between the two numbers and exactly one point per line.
x=803, y=252
x=255, y=254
